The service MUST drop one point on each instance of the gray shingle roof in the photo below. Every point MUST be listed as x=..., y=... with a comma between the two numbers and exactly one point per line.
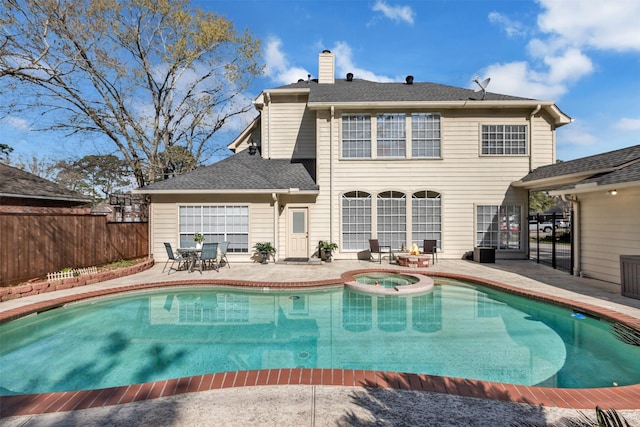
x=366, y=91
x=594, y=164
x=241, y=171
x=20, y=184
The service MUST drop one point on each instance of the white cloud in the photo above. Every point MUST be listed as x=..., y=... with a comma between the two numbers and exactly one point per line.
x=628, y=124
x=577, y=134
x=17, y=123
x=512, y=28
x=279, y=69
x=277, y=66
x=345, y=64
x=395, y=13
x=610, y=25
x=519, y=79
x=549, y=82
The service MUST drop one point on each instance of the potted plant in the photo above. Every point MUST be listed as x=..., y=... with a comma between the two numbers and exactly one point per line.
x=198, y=238
x=327, y=247
x=265, y=249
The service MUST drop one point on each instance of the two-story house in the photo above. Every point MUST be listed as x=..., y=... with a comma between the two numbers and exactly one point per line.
x=346, y=160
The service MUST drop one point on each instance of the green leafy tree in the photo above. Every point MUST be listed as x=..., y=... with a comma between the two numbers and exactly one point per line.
x=541, y=201
x=95, y=176
x=146, y=75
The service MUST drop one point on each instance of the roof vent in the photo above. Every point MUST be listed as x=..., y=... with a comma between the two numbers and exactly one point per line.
x=300, y=80
x=409, y=80
x=349, y=77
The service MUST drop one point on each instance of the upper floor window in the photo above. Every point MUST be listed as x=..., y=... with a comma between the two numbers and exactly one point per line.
x=504, y=140
x=425, y=135
x=356, y=135
x=391, y=135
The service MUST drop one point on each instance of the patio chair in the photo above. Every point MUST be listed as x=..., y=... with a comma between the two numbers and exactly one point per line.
x=431, y=247
x=222, y=248
x=173, y=258
x=375, y=248
x=209, y=256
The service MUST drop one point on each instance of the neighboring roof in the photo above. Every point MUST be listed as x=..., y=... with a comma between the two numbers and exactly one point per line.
x=611, y=168
x=240, y=172
x=17, y=183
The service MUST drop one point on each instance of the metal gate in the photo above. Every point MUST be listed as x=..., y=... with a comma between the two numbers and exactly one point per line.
x=551, y=241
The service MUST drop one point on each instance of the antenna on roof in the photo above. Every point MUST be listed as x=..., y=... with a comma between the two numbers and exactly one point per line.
x=483, y=85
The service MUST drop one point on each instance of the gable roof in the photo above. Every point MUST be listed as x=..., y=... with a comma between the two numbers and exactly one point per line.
x=611, y=168
x=16, y=183
x=358, y=92
x=241, y=172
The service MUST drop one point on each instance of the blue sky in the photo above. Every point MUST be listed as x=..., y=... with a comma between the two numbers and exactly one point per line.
x=582, y=54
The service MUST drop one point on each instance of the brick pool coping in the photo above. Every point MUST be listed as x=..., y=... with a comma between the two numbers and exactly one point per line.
x=619, y=398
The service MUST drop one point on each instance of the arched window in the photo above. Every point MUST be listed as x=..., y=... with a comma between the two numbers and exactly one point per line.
x=392, y=219
x=356, y=220
x=426, y=217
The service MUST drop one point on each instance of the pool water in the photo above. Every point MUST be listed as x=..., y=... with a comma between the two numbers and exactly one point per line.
x=457, y=330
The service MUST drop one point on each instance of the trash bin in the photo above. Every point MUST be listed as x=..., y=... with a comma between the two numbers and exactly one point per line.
x=484, y=254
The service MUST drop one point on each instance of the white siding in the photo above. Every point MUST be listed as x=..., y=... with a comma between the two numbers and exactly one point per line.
x=610, y=227
x=165, y=224
x=462, y=176
x=289, y=129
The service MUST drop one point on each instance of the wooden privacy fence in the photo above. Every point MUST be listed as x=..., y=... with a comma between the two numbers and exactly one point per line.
x=32, y=245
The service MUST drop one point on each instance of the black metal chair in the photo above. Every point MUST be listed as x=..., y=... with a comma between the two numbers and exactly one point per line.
x=375, y=248
x=431, y=247
x=209, y=256
x=173, y=258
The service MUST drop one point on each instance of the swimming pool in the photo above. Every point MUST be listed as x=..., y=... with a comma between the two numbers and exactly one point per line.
x=458, y=329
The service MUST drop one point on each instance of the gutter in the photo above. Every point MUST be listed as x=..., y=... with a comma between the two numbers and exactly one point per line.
x=228, y=191
x=331, y=117
x=59, y=198
x=531, y=115
x=267, y=103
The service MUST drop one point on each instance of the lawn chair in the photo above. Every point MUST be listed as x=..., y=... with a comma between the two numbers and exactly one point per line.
x=209, y=256
x=431, y=247
x=173, y=258
x=222, y=248
x=375, y=248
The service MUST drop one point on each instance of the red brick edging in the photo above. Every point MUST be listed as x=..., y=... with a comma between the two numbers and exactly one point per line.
x=620, y=398
x=41, y=287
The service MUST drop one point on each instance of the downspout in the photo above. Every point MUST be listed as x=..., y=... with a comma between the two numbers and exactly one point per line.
x=274, y=197
x=576, y=268
x=331, y=173
x=267, y=96
x=530, y=144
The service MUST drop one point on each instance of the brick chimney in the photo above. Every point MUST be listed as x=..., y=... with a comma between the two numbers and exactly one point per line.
x=326, y=67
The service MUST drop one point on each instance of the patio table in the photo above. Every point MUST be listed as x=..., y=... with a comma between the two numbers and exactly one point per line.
x=192, y=253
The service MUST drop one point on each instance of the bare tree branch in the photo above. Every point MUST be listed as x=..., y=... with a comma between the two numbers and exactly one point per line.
x=148, y=75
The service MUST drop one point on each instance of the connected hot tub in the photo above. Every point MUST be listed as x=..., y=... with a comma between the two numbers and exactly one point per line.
x=390, y=283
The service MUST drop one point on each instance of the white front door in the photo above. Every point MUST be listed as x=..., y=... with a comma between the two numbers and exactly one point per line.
x=298, y=244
